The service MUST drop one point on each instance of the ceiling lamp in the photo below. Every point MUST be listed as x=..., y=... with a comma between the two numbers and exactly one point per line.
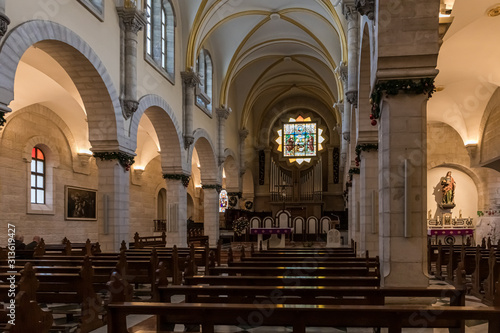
x=494, y=11
x=275, y=16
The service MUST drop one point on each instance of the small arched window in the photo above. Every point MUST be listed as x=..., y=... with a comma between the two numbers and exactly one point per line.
x=160, y=35
x=204, y=68
x=222, y=201
x=37, y=176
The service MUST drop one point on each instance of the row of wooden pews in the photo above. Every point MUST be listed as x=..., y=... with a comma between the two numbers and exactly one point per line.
x=195, y=236
x=80, y=281
x=321, y=288
x=479, y=265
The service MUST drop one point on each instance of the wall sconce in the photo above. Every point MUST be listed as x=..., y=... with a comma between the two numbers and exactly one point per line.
x=138, y=171
x=471, y=149
x=84, y=157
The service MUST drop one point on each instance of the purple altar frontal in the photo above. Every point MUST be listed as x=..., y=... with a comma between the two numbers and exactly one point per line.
x=270, y=231
x=448, y=232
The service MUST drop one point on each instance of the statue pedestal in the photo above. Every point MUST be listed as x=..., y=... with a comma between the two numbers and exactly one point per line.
x=447, y=206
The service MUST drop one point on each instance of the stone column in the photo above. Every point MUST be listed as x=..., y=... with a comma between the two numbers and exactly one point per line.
x=211, y=207
x=222, y=114
x=368, y=213
x=4, y=24
x=176, y=211
x=113, y=213
x=4, y=20
x=354, y=210
x=243, y=135
x=352, y=18
x=190, y=80
x=402, y=137
x=131, y=22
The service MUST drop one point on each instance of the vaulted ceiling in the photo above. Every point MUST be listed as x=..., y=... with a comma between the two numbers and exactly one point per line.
x=266, y=51
x=469, y=71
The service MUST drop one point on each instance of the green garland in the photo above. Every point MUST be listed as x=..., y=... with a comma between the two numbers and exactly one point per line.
x=125, y=160
x=364, y=147
x=393, y=87
x=217, y=187
x=2, y=119
x=183, y=178
x=354, y=171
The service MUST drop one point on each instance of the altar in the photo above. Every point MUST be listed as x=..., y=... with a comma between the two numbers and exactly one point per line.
x=273, y=241
x=450, y=230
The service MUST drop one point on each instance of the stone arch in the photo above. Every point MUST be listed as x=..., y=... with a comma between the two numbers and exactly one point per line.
x=210, y=173
x=101, y=100
x=63, y=127
x=295, y=103
x=365, y=132
x=52, y=152
x=489, y=135
x=167, y=129
x=232, y=171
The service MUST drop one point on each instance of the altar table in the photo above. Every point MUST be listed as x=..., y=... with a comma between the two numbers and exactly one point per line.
x=273, y=241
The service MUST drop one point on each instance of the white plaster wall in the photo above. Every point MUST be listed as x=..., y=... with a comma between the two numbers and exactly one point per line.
x=466, y=196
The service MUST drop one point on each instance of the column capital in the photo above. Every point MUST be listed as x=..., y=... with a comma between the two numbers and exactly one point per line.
x=131, y=20
x=349, y=10
x=4, y=23
x=188, y=141
x=341, y=70
x=243, y=134
x=129, y=107
x=190, y=78
x=352, y=97
x=216, y=187
x=366, y=7
x=223, y=112
x=125, y=160
x=177, y=177
x=339, y=106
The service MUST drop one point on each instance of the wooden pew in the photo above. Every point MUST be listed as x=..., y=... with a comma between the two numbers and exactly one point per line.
x=303, y=294
x=149, y=241
x=74, y=288
x=290, y=270
x=315, y=280
x=480, y=274
x=196, y=237
x=492, y=282
x=395, y=317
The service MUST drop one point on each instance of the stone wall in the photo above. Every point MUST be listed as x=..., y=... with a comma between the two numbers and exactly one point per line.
x=28, y=127
x=143, y=198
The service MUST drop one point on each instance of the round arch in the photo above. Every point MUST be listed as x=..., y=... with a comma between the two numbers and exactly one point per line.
x=232, y=171
x=295, y=103
x=101, y=100
x=210, y=173
x=167, y=129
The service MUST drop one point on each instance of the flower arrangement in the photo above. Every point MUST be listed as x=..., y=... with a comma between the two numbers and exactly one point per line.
x=239, y=225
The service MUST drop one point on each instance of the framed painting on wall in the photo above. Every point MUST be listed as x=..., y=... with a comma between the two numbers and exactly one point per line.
x=80, y=203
